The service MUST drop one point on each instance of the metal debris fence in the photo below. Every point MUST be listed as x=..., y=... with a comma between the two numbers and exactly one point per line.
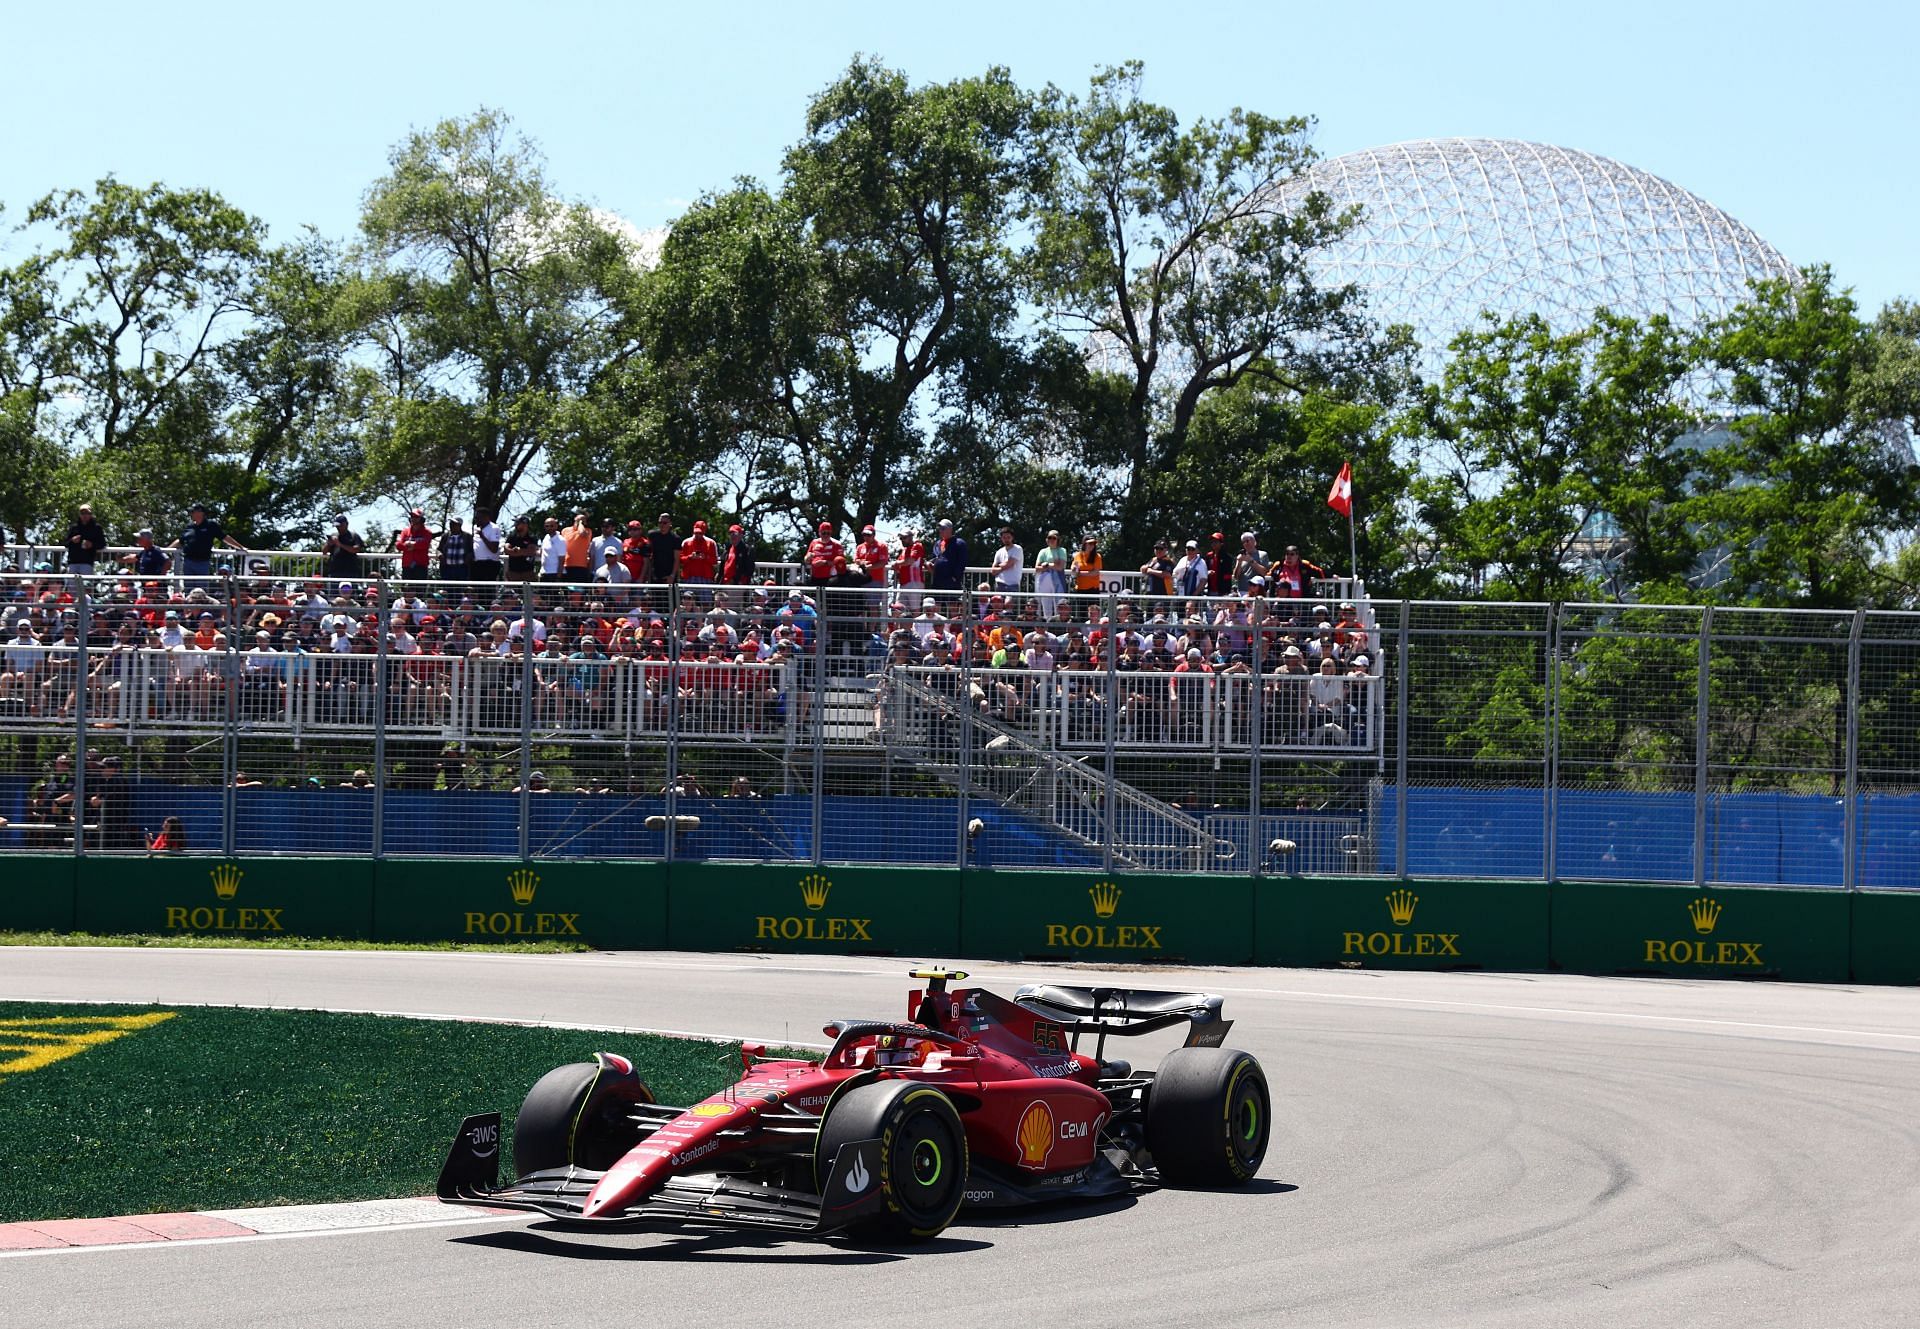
x=834, y=725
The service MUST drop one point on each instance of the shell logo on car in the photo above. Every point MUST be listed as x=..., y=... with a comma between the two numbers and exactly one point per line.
x=1035, y=1134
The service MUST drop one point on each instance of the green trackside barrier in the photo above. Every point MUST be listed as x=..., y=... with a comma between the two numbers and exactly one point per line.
x=1111, y=917
x=799, y=907
x=254, y=897
x=1886, y=937
x=1375, y=923
x=612, y=906
x=36, y=892
x=1701, y=932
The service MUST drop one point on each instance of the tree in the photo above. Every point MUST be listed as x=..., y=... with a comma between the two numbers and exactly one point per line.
x=1178, y=254
x=815, y=341
x=1815, y=473
x=1540, y=438
x=490, y=307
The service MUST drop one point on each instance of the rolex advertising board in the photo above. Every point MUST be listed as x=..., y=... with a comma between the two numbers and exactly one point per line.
x=1111, y=917
x=836, y=910
x=1886, y=937
x=615, y=906
x=1701, y=932
x=1372, y=923
x=36, y=892
x=249, y=897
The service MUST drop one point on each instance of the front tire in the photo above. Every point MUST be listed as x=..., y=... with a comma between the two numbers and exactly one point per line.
x=576, y=1116
x=1209, y=1117
x=923, y=1155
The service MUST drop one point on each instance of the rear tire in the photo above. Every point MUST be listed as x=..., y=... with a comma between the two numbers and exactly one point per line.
x=1209, y=1117
x=575, y=1116
x=923, y=1155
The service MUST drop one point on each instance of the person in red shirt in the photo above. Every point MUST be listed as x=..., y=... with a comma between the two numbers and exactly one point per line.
x=415, y=545
x=635, y=549
x=871, y=556
x=826, y=557
x=699, y=556
x=910, y=569
x=1219, y=566
x=736, y=565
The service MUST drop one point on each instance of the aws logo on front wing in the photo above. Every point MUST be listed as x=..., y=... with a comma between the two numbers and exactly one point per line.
x=812, y=923
x=1400, y=938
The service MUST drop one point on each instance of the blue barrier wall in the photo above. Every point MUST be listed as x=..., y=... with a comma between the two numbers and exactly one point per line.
x=1768, y=839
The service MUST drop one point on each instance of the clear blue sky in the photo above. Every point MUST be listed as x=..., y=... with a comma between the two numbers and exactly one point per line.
x=1799, y=120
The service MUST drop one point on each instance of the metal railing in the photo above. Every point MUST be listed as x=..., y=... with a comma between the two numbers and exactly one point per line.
x=1637, y=743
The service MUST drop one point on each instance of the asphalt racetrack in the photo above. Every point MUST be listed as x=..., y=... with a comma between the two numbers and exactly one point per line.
x=1449, y=1150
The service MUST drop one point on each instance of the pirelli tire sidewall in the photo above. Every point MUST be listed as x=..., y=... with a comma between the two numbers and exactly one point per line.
x=923, y=1154
x=575, y=1116
x=1209, y=1117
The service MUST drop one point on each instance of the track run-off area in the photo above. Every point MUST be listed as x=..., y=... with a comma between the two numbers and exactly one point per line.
x=1477, y=1149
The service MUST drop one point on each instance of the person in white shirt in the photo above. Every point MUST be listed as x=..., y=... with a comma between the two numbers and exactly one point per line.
x=1009, y=562
x=486, y=547
x=928, y=623
x=553, y=551
x=172, y=635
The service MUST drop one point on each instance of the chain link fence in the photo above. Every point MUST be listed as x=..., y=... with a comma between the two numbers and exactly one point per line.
x=981, y=728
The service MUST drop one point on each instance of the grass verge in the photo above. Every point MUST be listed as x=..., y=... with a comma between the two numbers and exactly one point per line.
x=224, y=1108
x=285, y=943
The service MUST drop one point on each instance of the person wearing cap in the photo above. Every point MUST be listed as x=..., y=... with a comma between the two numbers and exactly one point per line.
x=456, y=551
x=871, y=557
x=1191, y=572
x=612, y=571
x=699, y=557
x=609, y=538
x=414, y=544
x=196, y=542
x=1289, y=576
x=341, y=551
x=1250, y=562
x=148, y=559
x=1219, y=564
x=576, y=560
x=1087, y=566
x=910, y=564
x=948, y=570
x=736, y=560
x=1009, y=563
x=635, y=551
x=1158, y=571
x=86, y=542
x=826, y=557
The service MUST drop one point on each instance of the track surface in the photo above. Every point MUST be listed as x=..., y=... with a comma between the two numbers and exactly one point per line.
x=1449, y=1149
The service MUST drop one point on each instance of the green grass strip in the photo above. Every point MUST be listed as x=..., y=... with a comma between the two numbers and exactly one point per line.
x=222, y=1108
x=284, y=943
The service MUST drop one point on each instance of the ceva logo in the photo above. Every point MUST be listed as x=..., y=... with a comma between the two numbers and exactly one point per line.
x=226, y=879
x=814, y=889
x=1401, y=904
x=1704, y=914
x=522, y=885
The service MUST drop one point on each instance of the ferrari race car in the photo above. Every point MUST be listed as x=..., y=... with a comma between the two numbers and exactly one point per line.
x=973, y=1101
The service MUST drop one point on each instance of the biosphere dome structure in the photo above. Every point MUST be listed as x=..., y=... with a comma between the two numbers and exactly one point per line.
x=1459, y=225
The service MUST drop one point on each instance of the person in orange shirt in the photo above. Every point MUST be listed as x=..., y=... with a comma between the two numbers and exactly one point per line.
x=1087, y=566
x=579, y=538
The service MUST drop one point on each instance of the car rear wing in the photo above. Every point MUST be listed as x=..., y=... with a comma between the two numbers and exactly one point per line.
x=1126, y=1012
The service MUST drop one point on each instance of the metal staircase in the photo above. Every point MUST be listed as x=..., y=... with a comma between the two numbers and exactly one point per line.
x=923, y=726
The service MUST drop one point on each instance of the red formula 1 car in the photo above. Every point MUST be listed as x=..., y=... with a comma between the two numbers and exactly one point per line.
x=976, y=1101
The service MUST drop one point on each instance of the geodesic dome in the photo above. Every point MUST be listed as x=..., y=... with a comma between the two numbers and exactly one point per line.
x=1456, y=226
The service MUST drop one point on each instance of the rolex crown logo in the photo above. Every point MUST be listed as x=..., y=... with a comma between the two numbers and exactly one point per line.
x=523, y=882
x=1400, y=905
x=226, y=880
x=1106, y=898
x=1704, y=912
x=813, y=891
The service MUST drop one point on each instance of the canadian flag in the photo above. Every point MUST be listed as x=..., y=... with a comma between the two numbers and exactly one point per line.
x=1340, y=497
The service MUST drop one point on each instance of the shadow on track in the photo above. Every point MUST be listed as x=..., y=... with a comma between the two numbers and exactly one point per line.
x=1069, y=1211
x=724, y=1247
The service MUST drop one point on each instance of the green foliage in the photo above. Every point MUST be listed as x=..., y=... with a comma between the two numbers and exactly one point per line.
x=1815, y=476
x=490, y=309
